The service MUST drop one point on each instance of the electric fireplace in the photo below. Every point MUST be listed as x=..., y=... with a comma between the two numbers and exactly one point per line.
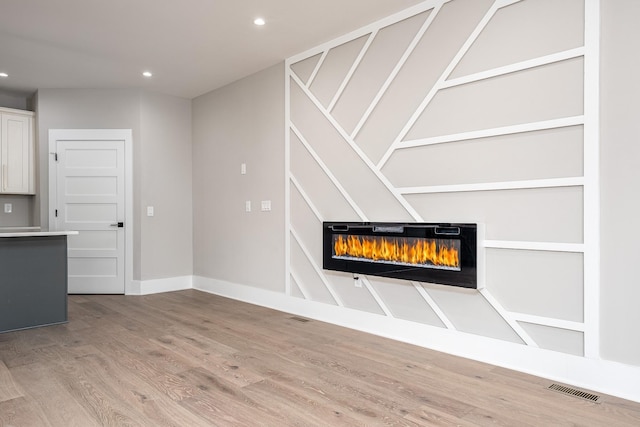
x=424, y=252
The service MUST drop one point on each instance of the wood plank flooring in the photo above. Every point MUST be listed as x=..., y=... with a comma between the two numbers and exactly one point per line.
x=193, y=359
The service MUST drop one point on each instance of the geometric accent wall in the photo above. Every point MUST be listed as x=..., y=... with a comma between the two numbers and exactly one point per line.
x=467, y=111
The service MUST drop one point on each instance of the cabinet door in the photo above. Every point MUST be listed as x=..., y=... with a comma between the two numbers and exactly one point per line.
x=15, y=154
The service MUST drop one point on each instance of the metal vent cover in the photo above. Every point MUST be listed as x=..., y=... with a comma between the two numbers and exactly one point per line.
x=574, y=392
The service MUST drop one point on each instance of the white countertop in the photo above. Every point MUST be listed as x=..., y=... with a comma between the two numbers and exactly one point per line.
x=36, y=233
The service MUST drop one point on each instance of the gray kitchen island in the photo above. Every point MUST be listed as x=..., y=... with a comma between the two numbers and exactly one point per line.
x=33, y=279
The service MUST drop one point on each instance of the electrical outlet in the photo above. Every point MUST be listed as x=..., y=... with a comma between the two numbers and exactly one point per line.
x=357, y=282
x=150, y=211
x=266, y=205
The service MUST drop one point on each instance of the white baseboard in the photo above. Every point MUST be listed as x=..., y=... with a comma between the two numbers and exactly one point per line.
x=155, y=286
x=603, y=376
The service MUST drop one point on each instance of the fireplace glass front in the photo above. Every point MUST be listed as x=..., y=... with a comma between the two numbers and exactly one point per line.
x=425, y=252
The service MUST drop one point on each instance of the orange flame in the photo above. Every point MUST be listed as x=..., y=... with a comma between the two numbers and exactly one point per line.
x=417, y=251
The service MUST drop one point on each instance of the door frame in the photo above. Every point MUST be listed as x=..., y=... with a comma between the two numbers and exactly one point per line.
x=125, y=135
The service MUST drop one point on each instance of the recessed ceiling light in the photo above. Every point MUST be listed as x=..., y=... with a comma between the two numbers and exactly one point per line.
x=4, y=75
x=259, y=21
x=147, y=73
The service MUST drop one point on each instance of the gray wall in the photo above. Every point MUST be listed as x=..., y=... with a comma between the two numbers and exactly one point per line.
x=224, y=123
x=620, y=184
x=21, y=211
x=240, y=123
x=164, y=167
x=161, y=166
x=18, y=101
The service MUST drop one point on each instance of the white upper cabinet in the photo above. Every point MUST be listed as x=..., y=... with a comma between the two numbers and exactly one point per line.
x=17, y=157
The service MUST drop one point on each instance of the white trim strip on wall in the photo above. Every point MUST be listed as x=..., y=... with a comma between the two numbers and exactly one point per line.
x=346, y=38
x=592, y=180
x=287, y=179
x=316, y=70
x=317, y=268
x=446, y=73
x=155, y=286
x=493, y=186
x=548, y=321
x=374, y=294
x=434, y=306
x=329, y=174
x=486, y=133
x=506, y=315
x=366, y=282
x=403, y=59
x=513, y=68
x=356, y=148
x=353, y=69
x=534, y=246
x=300, y=285
x=306, y=198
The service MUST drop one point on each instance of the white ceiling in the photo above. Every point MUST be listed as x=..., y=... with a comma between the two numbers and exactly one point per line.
x=191, y=46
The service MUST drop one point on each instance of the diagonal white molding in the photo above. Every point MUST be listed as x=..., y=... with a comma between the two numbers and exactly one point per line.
x=434, y=306
x=366, y=282
x=485, y=133
x=446, y=73
x=317, y=269
x=512, y=68
x=374, y=294
x=329, y=174
x=306, y=198
x=383, y=179
x=507, y=316
x=353, y=69
x=405, y=56
x=317, y=69
x=303, y=290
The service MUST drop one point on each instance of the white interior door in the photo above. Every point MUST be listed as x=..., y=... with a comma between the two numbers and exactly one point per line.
x=90, y=198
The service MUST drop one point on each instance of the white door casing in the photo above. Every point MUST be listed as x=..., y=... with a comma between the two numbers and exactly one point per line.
x=90, y=192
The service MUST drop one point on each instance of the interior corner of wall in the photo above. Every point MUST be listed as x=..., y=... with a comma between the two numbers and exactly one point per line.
x=133, y=288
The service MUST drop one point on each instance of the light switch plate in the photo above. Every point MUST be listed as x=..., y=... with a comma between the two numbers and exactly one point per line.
x=243, y=169
x=247, y=206
x=8, y=207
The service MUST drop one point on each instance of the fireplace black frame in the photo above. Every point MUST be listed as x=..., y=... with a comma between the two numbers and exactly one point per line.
x=466, y=276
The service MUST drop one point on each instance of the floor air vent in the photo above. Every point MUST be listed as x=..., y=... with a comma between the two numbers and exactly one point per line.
x=576, y=393
x=299, y=319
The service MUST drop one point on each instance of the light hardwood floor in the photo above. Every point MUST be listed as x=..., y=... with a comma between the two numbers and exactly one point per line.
x=193, y=359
